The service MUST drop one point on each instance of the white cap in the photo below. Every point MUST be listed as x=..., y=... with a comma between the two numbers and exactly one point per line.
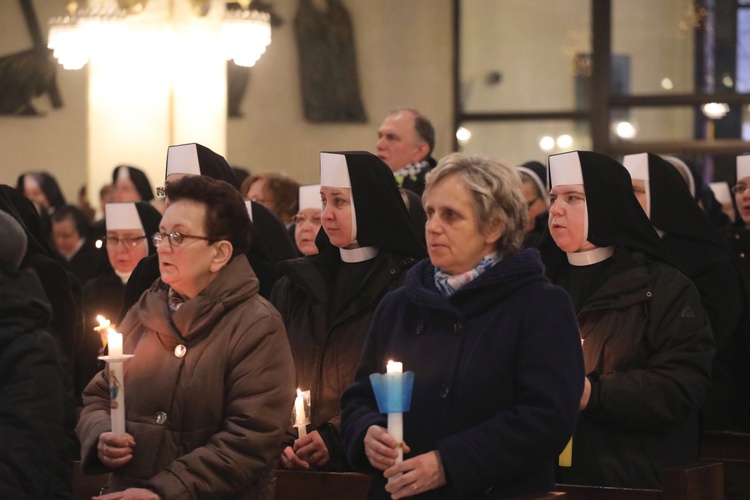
x=637, y=166
x=309, y=197
x=123, y=172
x=249, y=206
x=30, y=182
x=183, y=159
x=119, y=216
x=721, y=192
x=334, y=171
x=743, y=166
x=565, y=169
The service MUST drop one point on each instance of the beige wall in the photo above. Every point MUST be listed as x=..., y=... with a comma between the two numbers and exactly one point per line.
x=404, y=50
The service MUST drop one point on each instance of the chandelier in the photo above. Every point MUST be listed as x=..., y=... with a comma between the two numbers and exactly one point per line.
x=85, y=31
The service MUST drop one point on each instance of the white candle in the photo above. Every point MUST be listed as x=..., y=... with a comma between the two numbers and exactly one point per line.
x=299, y=412
x=114, y=341
x=116, y=383
x=396, y=420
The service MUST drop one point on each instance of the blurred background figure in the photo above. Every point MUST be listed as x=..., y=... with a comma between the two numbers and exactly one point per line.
x=85, y=205
x=37, y=456
x=534, y=180
x=307, y=221
x=131, y=184
x=70, y=234
x=724, y=196
x=277, y=192
x=42, y=189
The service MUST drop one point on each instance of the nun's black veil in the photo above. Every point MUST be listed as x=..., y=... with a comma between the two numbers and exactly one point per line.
x=382, y=218
x=615, y=216
x=139, y=179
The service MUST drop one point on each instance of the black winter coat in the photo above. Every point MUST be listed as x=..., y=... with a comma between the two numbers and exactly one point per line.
x=648, y=348
x=498, y=377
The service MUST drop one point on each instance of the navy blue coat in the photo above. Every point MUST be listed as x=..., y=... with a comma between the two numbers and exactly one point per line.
x=498, y=378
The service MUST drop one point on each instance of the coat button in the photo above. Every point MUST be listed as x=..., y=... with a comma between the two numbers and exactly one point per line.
x=180, y=351
x=444, y=391
x=160, y=417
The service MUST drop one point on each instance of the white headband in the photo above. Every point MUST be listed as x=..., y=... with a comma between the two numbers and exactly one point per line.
x=743, y=166
x=334, y=172
x=309, y=197
x=119, y=216
x=123, y=173
x=183, y=159
x=637, y=167
x=30, y=182
x=249, y=206
x=721, y=192
x=567, y=171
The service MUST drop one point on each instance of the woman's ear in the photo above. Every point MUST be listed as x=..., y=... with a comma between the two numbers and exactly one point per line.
x=222, y=255
x=494, y=232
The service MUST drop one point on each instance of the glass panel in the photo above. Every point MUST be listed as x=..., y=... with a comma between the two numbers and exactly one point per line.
x=520, y=55
x=520, y=141
x=657, y=39
x=743, y=49
x=652, y=124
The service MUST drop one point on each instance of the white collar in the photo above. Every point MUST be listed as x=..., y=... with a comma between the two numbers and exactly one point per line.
x=358, y=254
x=590, y=257
x=124, y=277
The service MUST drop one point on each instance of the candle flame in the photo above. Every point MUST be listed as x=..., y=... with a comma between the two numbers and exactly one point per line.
x=299, y=393
x=103, y=323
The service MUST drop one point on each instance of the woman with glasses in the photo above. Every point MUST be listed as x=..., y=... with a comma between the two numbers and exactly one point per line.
x=126, y=242
x=307, y=221
x=210, y=388
x=328, y=300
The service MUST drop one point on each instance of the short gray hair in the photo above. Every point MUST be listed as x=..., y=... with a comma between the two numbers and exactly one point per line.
x=497, y=195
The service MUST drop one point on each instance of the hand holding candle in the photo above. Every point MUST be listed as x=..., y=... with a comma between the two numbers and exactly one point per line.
x=393, y=395
x=114, y=359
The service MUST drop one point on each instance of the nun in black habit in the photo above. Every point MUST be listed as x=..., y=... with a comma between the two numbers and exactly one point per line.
x=270, y=241
x=367, y=243
x=131, y=184
x=647, y=343
x=129, y=229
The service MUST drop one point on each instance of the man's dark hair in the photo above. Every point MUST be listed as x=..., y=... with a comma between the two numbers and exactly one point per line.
x=422, y=126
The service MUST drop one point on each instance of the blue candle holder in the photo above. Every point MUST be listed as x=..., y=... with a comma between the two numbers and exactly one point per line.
x=393, y=391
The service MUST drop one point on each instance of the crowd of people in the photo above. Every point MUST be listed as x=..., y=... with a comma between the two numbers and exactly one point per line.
x=586, y=302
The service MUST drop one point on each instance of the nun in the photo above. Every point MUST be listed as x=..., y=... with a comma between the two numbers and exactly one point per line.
x=129, y=227
x=270, y=240
x=131, y=184
x=690, y=238
x=534, y=180
x=647, y=342
x=42, y=189
x=328, y=300
x=307, y=220
x=738, y=235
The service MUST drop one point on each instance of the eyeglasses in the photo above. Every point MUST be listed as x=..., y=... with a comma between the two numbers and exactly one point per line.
x=302, y=218
x=160, y=191
x=740, y=188
x=131, y=242
x=175, y=238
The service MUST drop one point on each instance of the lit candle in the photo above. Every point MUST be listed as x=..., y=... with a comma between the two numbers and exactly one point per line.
x=396, y=420
x=116, y=382
x=300, y=421
x=102, y=328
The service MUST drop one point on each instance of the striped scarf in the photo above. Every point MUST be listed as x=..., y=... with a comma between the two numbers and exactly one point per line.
x=449, y=283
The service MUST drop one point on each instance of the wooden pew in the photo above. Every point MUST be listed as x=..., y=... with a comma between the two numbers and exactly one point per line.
x=699, y=481
x=732, y=449
x=311, y=485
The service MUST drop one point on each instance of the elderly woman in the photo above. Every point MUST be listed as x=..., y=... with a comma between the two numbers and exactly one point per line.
x=647, y=342
x=210, y=388
x=328, y=300
x=307, y=221
x=497, y=377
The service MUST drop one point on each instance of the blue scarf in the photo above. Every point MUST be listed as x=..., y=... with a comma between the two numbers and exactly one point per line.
x=449, y=283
